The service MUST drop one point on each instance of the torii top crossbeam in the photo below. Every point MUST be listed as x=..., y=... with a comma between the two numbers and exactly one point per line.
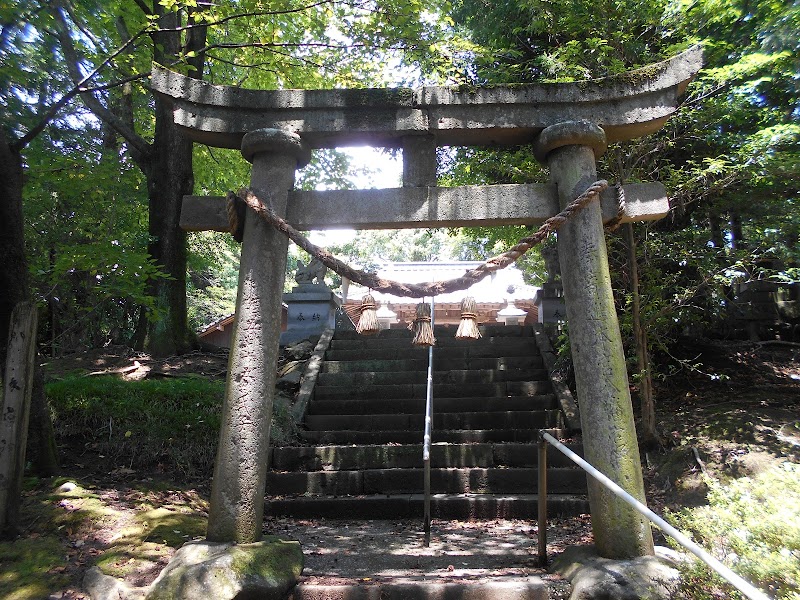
x=626, y=106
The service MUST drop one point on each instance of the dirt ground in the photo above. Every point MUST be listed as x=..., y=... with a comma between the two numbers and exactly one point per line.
x=734, y=412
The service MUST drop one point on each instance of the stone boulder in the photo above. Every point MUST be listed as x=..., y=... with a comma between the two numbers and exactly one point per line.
x=266, y=570
x=100, y=586
x=596, y=578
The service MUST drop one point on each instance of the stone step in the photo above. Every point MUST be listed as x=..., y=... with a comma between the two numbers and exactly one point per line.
x=464, y=507
x=405, y=436
x=443, y=344
x=443, y=331
x=440, y=390
x=453, y=480
x=439, y=376
x=408, y=351
x=441, y=363
x=415, y=422
x=361, y=406
x=350, y=458
x=527, y=588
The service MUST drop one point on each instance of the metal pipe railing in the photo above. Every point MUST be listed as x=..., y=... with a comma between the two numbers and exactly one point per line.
x=741, y=584
x=426, y=439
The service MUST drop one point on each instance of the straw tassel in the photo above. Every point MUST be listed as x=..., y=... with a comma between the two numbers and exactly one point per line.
x=423, y=332
x=368, y=321
x=468, y=327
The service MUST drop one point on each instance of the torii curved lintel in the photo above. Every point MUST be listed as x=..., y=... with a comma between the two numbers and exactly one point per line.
x=626, y=106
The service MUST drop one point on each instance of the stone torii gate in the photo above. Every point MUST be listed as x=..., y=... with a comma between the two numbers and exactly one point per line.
x=569, y=124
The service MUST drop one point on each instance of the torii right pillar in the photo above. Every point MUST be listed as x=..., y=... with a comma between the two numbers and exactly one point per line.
x=609, y=433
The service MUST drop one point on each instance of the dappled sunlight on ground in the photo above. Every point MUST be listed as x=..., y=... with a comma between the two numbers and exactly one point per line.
x=394, y=549
x=128, y=528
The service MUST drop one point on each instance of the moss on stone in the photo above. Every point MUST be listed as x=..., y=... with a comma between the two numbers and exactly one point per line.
x=267, y=558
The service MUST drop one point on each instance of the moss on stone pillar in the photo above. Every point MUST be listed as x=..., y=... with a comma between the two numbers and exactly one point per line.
x=609, y=434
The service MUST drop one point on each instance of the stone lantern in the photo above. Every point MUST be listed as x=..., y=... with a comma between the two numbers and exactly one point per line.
x=511, y=315
x=386, y=316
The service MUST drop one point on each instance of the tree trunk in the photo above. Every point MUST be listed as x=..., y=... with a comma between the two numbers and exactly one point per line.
x=16, y=404
x=14, y=267
x=737, y=236
x=169, y=177
x=647, y=402
x=14, y=289
x=715, y=229
x=166, y=163
x=42, y=451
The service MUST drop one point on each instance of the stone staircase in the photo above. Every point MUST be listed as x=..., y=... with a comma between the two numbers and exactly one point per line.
x=364, y=428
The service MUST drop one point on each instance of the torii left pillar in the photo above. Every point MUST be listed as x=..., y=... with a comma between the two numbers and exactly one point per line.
x=237, y=492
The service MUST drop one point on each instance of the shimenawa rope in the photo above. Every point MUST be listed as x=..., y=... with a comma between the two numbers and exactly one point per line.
x=375, y=283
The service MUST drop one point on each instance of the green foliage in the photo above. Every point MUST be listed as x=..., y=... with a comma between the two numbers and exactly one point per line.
x=173, y=423
x=85, y=215
x=535, y=40
x=213, y=271
x=751, y=524
x=729, y=158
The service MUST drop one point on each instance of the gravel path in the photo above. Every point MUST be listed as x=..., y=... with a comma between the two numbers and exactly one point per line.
x=380, y=551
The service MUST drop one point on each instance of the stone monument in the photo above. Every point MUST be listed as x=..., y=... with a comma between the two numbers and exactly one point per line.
x=550, y=299
x=311, y=304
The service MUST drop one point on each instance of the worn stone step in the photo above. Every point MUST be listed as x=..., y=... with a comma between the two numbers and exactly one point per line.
x=443, y=506
x=443, y=331
x=443, y=344
x=404, y=352
x=440, y=390
x=453, y=480
x=350, y=458
x=439, y=377
x=362, y=406
x=527, y=588
x=475, y=420
x=441, y=363
x=406, y=436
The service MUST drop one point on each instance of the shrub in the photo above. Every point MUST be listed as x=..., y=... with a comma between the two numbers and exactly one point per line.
x=752, y=525
x=167, y=424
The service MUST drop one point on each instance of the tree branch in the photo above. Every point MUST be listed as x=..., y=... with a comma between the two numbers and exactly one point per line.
x=116, y=84
x=143, y=7
x=260, y=13
x=137, y=143
x=195, y=44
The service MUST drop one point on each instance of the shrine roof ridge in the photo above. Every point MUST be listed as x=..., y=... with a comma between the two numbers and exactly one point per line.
x=626, y=105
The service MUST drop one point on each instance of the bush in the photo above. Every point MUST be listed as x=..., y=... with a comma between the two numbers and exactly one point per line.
x=752, y=525
x=169, y=424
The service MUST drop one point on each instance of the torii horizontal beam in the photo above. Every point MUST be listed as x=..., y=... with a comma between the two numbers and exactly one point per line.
x=626, y=106
x=422, y=207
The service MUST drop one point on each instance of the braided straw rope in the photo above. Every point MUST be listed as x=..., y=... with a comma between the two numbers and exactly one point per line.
x=614, y=223
x=375, y=283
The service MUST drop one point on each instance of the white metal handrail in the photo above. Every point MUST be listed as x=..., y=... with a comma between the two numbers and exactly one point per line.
x=427, y=437
x=741, y=584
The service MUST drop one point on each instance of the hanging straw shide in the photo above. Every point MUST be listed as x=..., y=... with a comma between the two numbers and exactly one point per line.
x=368, y=321
x=423, y=331
x=468, y=327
